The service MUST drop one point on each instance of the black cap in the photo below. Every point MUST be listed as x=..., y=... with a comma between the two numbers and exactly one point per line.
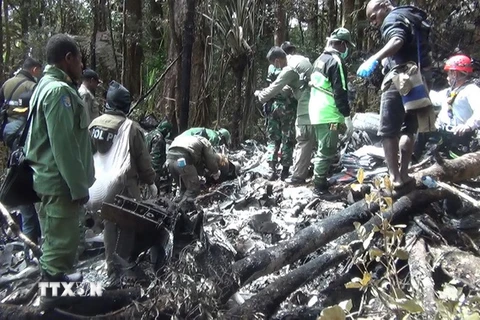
x=288, y=47
x=118, y=97
x=90, y=74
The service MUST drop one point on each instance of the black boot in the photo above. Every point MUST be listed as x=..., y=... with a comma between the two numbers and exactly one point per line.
x=285, y=173
x=273, y=175
x=321, y=191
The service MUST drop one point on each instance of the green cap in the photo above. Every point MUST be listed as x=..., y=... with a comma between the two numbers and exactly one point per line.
x=165, y=127
x=226, y=135
x=342, y=34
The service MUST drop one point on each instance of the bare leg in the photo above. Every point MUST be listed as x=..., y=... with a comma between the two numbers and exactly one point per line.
x=407, y=142
x=390, y=147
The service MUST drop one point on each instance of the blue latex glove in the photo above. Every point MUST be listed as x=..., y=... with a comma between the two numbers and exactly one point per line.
x=367, y=68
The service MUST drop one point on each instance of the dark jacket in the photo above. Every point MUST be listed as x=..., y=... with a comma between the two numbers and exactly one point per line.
x=408, y=23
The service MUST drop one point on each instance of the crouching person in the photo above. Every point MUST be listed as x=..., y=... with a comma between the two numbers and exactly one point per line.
x=122, y=163
x=187, y=158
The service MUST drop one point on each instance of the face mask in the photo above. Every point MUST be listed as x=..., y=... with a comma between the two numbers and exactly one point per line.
x=344, y=54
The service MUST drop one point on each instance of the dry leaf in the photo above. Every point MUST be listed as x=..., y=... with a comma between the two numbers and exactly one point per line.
x=360, y=175
x=332, y=313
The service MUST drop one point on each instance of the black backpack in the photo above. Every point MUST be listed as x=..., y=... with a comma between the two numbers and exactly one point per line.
x=4, y=106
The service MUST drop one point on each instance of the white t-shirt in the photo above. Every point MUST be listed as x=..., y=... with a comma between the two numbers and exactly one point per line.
x=466, y=106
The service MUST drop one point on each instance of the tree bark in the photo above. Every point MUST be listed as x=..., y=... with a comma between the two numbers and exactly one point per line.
x=171, y=92
x=348, y=7
x=188, y=39
x=281, y=20
x=332, y=15
x=7, y=34
x=420, y=274
x=93, y=58
x=456, y=170
x=237, y=113
x=156, y=31
x=267, y=301
x=134, y=51
x=24, y=10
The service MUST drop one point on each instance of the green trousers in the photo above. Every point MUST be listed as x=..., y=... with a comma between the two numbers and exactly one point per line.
x=59, y=220
x=327, y=137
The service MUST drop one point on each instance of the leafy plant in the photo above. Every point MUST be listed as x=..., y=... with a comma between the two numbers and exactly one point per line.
x=389, y=288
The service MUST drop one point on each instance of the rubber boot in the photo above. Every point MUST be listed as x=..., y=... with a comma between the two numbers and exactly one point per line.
x=321, y=191
x=285, y=173
x=273, y=176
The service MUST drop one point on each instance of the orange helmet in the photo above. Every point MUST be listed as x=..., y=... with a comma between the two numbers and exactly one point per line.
x=459, y=62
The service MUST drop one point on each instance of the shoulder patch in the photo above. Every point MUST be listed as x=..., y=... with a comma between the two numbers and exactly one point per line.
x=67, y=103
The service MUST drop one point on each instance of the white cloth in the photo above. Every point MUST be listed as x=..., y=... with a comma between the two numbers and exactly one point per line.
x=111, y=169
x=466, y=106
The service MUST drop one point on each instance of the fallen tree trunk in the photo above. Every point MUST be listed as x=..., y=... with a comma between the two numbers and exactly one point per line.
x=456, y=170
x=420, y=274
x=306, y=241
x=82, y=307
x=267, y=300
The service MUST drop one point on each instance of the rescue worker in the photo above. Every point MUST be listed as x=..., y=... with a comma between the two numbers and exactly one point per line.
x=157, y=147
x=289, y=48
x=90, y=82
x=459, y=115
x=297, y=75
x=401, y=28
x=122, y=241
x=216, y=137
x=328, y=106
x=15, y=94
x=187, y=158
x=281, y=117
x=58, y=148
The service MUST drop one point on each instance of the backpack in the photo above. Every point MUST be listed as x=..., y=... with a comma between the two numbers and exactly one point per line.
x=5, y=105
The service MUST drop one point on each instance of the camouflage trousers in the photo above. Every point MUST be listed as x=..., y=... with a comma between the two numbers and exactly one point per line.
x=281, y=132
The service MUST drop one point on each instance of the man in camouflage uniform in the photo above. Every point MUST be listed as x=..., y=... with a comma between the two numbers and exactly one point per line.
x=187, y=158
x=59, y=150
x=15, y=94
x=282, y=113
x=157, y=147
x=216, y=138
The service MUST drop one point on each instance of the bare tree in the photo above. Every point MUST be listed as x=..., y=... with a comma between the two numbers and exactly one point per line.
x=188, y=39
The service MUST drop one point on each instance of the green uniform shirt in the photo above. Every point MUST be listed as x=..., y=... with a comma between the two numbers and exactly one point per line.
x=58, y=143
x=292, y=79
x=212, y=135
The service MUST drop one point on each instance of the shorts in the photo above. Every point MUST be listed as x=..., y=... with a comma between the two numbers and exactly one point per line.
x=393, y=118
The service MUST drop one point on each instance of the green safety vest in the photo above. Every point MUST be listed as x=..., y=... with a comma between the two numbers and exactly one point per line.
x=322, y=108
